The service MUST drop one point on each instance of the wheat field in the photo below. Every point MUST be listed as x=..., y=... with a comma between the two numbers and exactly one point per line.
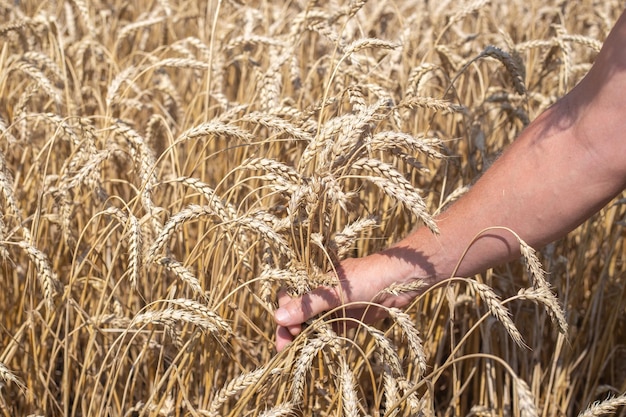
x=167, y=167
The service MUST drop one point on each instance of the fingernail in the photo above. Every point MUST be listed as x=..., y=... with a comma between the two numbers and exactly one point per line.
x=282, y=316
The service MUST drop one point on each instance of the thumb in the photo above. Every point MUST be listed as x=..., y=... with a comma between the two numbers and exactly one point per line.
x=297, y=310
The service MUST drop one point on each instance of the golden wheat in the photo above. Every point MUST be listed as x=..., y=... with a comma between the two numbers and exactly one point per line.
x=166, y=169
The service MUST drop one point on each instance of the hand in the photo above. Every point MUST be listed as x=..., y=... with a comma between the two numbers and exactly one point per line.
x=360, y=280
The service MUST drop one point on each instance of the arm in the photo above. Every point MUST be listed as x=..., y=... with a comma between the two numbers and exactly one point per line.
x=565, y=166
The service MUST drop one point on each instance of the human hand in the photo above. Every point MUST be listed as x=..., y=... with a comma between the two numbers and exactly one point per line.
x=361, y=280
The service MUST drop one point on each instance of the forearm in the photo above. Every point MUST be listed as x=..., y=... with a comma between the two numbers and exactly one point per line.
x=563, y=168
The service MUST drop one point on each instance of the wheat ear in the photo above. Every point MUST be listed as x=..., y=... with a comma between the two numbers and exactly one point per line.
x=8, y=376
x=233, y=387
x=392, y=183
x=281, y=410
x=602, y=408
x=47, y=277
x=349, y=399
x=412, y=335
x=497, y=309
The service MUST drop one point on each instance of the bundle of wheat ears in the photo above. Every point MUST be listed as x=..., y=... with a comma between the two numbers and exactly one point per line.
x=167, y=167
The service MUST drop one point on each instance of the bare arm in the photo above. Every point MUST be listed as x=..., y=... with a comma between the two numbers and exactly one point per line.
x=563, y=168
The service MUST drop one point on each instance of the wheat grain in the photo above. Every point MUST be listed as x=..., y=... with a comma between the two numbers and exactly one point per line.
x=249, y=41
x=273, y=122
x=125, y=76
x=386, y=349
x=83, y=9
x=44, y=62
x=397, y=288
x=383, y=141
x=533, y=265
x=514, y=66
x=17, y=26
x=135, y=241
x=343, y=241
x=311, y=348
x=7, y=189
x=410, y=394
x=277, y=172
x=417, y=77
x=226, y=212
x=367, y=43
x=131, y=28
x=444, y=106
x=171, y=317
x=5, y=132
x=144, y=160
x=270, y=84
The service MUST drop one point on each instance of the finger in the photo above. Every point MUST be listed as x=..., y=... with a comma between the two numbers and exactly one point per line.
x=283, y=299
x=283, y=338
